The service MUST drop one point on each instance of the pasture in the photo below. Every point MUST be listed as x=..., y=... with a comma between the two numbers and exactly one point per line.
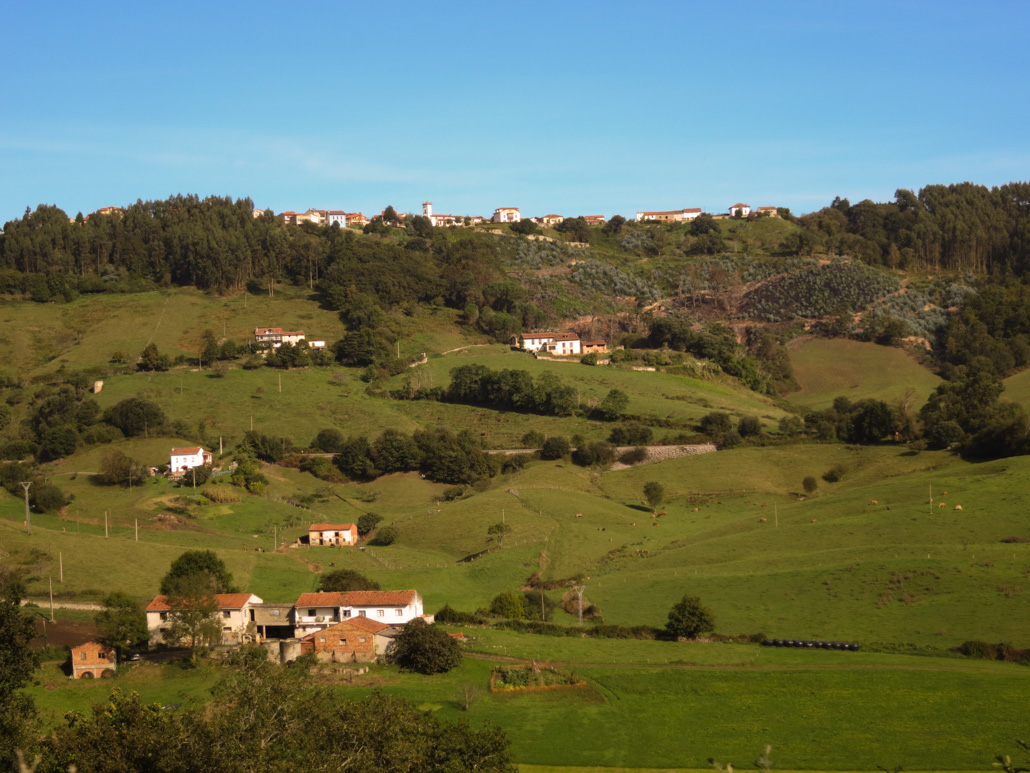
x=829, y=368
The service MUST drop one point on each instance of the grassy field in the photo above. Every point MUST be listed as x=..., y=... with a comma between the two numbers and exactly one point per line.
x=669, y=705
x=826, y=369
x=735, y=531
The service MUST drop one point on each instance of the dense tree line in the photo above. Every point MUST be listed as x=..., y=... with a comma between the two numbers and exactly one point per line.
x=962, y=228
x=438, y=454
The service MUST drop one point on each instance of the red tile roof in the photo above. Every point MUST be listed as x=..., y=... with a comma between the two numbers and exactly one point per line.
x=738, y=204
x=225, y=601
x=365, y=624
x=332, y=527
x=358, y=598
x=538, y=335
x=566, y=337
x=186, y=451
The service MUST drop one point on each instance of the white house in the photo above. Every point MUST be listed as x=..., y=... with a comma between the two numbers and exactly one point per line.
x=507, y=215
x=533, y=342
x=338, y=534
x=740, y=210
x=553, y=343
x=315, y=611
x=670, y=216
x=183, y=459
x=276, y=336
x=234, y=611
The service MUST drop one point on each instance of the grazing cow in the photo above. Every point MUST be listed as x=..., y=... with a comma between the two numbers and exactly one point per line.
x=761, y=520
x=942, y=504
x=873, y=502
x=958, y=507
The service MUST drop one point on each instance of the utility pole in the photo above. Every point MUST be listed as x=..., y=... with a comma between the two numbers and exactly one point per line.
x=60, y=564
x=280, y=383
x=28, y=524
x=137, y=530
x=105, y=524
x=51, y=599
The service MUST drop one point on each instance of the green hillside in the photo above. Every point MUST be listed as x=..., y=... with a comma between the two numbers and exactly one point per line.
x=829, y=368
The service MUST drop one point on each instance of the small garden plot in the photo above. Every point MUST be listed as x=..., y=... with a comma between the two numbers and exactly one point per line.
x=533, y=678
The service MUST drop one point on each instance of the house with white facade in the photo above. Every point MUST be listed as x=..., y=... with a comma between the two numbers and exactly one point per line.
x=440, y=220
x=234, y=613
x=337, y=534
x=740, y=210
x=183, y=459
x=315, y=611
x=670, y=216
x=276, y=337
x=507, y=215
x=552, y=219
x=552, y=343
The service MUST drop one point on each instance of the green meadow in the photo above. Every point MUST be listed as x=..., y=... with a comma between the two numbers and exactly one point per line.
x=826, y=369
x=907, y=552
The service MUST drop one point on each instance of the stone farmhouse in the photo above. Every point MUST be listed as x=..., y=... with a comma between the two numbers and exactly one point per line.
x=332, y=534
x=234, y=610
x=92, y=659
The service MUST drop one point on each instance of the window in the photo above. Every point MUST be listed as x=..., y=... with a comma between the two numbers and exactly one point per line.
x=274, y=612
x=346, y=613
x=311, y=613
x=343, y=641
x=361, y=613
x=362, y=639
x=398, y=612
x=82, y=655
x=164, y=616
x=226, y=614
x=321, y=639
x=381, y=613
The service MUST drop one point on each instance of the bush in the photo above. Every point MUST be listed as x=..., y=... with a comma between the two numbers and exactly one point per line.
x=47, y=498
x=834, y=474
x=425, y=649
x=634, y=455
x=533, y=439
x=589, y=359
x=510, y=605
x=555, y=448
x=385, y=536
x=596, y=454
x=690, y=618
x=749, y=426
x=343, y=580
x=367, y=523
x=810, y=484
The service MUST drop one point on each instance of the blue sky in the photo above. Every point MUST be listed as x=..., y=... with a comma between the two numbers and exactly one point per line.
x=565, y=107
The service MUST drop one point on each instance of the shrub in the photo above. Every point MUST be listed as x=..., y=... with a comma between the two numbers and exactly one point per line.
x=634, y=455
x=690, y=618
x=385, y=536
x=425, y=649
x=510, y=605
x=589, y=359
x=367, y=523
x=556, y=447
x=810, y=484
x=834, y=474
